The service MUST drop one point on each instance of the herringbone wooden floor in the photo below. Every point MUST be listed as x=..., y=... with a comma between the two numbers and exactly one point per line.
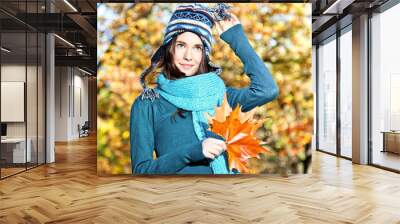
x=70, y=191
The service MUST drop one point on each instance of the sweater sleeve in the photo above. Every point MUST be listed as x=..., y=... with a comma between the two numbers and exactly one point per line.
x=142, y=145
x=263, y=88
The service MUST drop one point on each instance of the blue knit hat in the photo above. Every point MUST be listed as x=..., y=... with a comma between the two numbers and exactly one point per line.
x=195, y=18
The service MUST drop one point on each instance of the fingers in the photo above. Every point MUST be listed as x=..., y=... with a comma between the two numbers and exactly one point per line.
x=216, y=150
x=213, y=153
x=235, y=19
x=217, y=147
x=218, y=143
x=213, y=147
x=224, y=25
x=209, y=155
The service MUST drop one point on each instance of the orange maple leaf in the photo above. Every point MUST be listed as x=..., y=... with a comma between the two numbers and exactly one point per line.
x=239, y=130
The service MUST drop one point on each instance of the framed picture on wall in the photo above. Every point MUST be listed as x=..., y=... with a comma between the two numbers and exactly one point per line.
x=217, y=88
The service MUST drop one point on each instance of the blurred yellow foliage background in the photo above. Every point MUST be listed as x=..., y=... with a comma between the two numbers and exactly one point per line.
x=280, y=33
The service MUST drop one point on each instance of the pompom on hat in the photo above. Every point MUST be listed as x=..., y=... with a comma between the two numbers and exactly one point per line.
x=195, y=18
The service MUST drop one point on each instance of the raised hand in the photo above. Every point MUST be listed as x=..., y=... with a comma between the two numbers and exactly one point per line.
x=224, y=25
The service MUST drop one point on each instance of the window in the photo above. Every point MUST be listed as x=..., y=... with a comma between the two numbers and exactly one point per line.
x=327, y=96
x=385, y=89
x=346, y=92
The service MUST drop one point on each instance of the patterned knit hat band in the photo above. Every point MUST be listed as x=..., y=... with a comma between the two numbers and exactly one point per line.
x=191, y=18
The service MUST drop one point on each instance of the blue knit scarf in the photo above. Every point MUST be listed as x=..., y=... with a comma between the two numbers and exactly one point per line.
x=199, y=94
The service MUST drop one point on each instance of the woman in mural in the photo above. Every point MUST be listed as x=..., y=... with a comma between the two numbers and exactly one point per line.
x=169, y=119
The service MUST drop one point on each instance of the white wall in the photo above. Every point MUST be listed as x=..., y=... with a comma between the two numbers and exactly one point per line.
x=61, y=103
x=71, y=94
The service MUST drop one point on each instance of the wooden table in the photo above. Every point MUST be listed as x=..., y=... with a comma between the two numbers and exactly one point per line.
x=391, y=141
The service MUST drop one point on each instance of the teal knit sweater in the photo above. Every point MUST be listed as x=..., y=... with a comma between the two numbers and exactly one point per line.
x=154, y=126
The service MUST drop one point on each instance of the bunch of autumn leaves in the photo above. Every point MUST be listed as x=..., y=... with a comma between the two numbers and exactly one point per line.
x=239, y=131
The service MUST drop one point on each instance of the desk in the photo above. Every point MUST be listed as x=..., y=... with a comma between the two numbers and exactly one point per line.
x=391, y=141
x=18, y=149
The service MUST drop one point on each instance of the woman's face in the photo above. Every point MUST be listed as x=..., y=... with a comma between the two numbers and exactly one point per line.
x=188, y=53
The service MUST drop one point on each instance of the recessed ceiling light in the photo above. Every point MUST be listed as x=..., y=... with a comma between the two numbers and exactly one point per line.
x=86, y=72
x=70, y=5
x=337, y=7
x=5, y=49
x=64, y=40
